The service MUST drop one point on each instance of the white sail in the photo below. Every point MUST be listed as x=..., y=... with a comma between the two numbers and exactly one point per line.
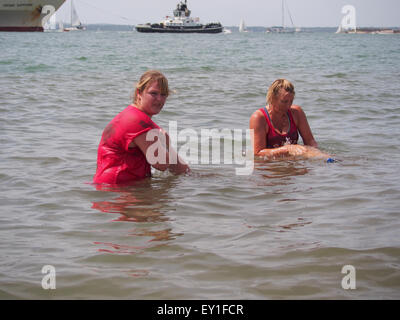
x=53, y=22
x=75, y=22
x=242, y=26
x=284, y=28
x=61, y=27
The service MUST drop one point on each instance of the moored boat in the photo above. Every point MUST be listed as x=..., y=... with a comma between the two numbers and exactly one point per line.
x=242, y=26
x=283, y=28
x=76, y=24
x=181, y=22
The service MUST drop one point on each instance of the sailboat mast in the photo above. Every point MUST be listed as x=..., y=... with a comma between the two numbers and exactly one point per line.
x=72, y=6
x=283, y=14
x=290, y=16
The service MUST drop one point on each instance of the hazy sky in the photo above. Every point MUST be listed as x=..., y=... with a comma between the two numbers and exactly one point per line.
x=305, y=13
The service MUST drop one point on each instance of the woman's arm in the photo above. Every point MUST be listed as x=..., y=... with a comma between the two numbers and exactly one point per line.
x=180, y=166
x=303, y=126
x=159, y=153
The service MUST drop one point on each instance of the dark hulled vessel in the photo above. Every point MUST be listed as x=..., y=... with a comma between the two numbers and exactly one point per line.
x=181, y=22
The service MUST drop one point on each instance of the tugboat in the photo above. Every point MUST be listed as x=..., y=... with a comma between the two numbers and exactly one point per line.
x=181, y=22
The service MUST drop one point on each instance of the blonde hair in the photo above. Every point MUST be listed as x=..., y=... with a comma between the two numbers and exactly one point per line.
x=147, y=79
x=278, y=85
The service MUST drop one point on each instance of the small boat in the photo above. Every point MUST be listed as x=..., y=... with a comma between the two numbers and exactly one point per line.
x=76, y=24
x=181, y=22
x=242, y=26
x=283, y=28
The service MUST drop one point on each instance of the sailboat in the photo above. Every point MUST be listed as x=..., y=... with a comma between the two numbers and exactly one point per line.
x=242, y=26
x=283, y=28
x=76, y=24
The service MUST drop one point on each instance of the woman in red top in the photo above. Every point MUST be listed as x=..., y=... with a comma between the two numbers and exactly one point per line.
x=276, y=126
x=124, y=153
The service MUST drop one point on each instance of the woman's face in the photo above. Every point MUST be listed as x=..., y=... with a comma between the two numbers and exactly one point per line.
x=283, y=100
x=151, y=100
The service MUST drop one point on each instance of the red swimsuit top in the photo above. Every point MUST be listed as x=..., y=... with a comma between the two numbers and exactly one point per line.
x=116, y=162
x=274, y=138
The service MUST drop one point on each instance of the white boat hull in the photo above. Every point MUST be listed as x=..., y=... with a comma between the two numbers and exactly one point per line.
x=25, y=15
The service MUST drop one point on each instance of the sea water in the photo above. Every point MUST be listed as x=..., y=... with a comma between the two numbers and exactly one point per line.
x=287, y=230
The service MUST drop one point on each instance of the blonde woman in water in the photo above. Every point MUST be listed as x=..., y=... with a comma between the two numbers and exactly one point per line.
x=277, y=126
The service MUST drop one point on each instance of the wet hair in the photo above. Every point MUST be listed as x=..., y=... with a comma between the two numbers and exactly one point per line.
x=278, y=85
x=147, y=79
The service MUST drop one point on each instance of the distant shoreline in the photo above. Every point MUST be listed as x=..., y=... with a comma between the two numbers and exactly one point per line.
x=373, y=31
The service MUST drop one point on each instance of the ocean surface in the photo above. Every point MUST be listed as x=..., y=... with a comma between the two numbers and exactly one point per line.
x=286, y=230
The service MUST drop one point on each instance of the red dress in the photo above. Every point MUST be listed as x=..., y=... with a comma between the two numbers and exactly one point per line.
x=274, y=138
x=116, y=162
